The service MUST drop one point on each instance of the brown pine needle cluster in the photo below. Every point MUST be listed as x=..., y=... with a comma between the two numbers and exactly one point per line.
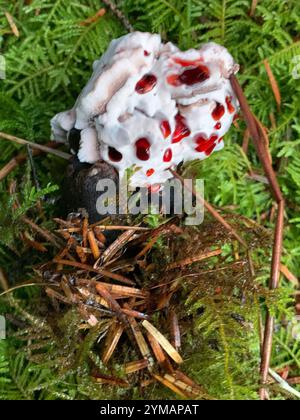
x=99, y=276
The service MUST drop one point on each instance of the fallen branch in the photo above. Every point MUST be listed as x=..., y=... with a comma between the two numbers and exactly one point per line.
x=36, y=146
x=22, y=158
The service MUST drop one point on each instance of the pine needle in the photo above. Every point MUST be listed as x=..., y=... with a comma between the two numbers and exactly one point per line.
x=165, y=344
x=94, y=18
x=289, y=276
x=12, y=24
x=273, y=83
x=22, y=286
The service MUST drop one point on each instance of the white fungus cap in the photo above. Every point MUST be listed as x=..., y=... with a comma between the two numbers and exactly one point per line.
x=149, y=106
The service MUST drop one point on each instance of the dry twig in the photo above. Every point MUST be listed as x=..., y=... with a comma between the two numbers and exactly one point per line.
x=36, y=146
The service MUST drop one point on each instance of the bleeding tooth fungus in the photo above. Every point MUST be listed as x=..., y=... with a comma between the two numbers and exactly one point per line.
x=150, y=106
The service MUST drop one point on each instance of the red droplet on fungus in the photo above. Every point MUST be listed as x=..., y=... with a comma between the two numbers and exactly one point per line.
x=214, y=137
x=114, y=155
x=201, y=139
x=181, y=129
x=190, y=76
x=165, y=128
x=210, y=149
x=173, y=80
x=143, y=149
x=206, y=145
x=218, y=126
x=231, y=108
x=218, y=112
x=196, y=75
x=187, y=63
x=168, y=155
x=150, y=172
x=146, y=53
x=146, y=84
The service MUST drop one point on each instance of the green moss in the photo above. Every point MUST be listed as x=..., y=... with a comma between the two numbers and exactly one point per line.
x=46, y=68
